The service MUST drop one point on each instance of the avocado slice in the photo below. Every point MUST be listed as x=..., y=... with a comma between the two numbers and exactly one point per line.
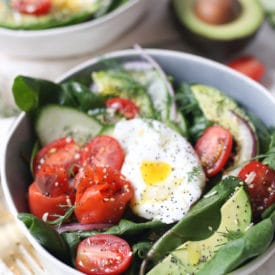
x=191, y=256
x=219, y=40
x=224, y=111
x=120, y=84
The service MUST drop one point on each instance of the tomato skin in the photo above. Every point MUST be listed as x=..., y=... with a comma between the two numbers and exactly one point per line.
x=63, y=151
x=103, y=254
x=214, y=148
x=103, y=151
x=52, y=180
x=124, y=106
x=248, y=65
x=102, y=194
x=260, y=185
x=34, y=7
x=40, y=204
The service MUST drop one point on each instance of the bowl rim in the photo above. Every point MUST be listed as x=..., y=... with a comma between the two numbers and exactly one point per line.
x=245, y=269
x=71, y=28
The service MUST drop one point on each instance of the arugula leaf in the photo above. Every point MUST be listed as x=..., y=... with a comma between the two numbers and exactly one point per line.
x=80, y=96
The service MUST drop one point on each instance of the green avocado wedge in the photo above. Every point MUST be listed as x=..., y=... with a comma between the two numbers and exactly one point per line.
x=219, y=39
x=224, y=111
x=203, y=218
x=191, y=256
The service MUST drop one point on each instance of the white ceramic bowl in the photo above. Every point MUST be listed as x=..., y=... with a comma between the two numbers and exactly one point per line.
x=183, y=67
x=74, y=40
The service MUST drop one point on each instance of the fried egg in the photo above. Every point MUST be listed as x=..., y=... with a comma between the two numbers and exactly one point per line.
x=163, y=167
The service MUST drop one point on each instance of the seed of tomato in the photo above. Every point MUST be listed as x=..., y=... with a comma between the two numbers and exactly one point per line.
x=103, y=254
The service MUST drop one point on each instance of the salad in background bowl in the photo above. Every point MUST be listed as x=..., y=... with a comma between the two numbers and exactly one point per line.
x=66, y=28
x=176, y=150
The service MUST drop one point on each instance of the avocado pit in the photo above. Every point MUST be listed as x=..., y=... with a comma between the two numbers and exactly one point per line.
x=217, y=12
x=218, y=28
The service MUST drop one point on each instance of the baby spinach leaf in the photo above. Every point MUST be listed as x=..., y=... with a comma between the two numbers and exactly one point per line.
x=31, y=93
x=199, y=223
x=253, y=242
x=46, y=236
x=125, y=229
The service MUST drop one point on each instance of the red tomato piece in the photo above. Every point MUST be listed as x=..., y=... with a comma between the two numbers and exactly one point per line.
x=35, y=7
x=103, y=151
x=63, y=151
x=103, y=254
x=46, y=206
x=52, y=180
x=260, y=183
x=214, y=149
x=124, y=106
x=248, y=65
x=102, y=194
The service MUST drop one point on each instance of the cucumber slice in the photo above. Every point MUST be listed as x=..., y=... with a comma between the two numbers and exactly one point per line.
x=56, y=121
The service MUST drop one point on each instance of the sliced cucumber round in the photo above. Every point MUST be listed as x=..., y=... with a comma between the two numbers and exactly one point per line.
x=56, y=121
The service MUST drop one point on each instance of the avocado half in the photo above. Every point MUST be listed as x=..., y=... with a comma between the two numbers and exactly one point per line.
x=223, y=39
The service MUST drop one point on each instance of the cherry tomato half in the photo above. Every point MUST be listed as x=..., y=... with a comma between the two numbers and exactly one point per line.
x=35, y=7
x=248, y=65
x=52, y=180
x=103, y=151
x=41, y=205
x=102, y=194
x=124, y=106
x=214, y=149
x=63, y=151
x=260, y=183
x=103, y=254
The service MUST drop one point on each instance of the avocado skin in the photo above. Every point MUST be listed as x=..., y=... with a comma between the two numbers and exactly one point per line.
x=213, y=48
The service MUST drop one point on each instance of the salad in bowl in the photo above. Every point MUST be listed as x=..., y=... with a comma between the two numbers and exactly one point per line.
x=50, y=29
x=149, y=162
x=45, y=14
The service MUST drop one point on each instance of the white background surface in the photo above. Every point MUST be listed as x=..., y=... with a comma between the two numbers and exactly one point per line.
x=156, y=30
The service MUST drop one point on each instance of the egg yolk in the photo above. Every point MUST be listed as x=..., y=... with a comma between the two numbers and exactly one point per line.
x=154, y=171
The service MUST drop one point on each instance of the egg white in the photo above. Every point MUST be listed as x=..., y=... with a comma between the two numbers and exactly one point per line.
x=149, y=141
